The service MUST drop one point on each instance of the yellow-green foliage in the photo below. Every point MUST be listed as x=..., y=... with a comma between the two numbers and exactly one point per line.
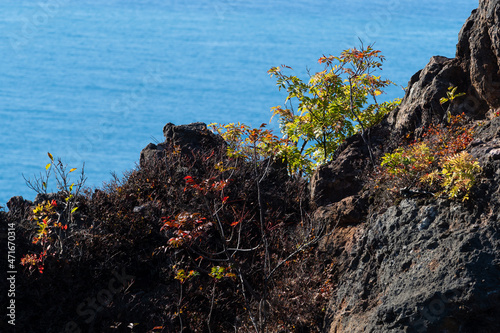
x=437, y=163
x=182, y=275
x=218, y=273
x=332, y=105
x=459, y=175
x=451, y=94
x=52, y=218
x=408, y=161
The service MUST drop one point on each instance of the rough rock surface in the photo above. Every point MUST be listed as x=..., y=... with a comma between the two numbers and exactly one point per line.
x=479, y=52
x=421, y=268
x=420, y=105
x=423, y=264
x=187, y=139
x=343, y=177
x=474, y=70
x=335, y=181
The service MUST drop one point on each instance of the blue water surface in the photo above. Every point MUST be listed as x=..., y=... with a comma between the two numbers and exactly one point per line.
x=95, y=81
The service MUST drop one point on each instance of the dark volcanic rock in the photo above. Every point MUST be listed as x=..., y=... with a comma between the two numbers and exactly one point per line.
x=422, y=265
x=345, y=175
x=18, y=205
x=421, y=268
x=335, y=181
x=187, y=139
x=192, y=137
x=479, y=51
x=474, y=70
x=420, y=105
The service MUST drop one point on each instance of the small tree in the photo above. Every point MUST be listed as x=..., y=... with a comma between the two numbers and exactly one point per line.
x=331, y=106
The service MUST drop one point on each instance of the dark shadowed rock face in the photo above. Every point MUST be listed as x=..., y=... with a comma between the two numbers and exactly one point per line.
x=18, y=205
x=423, y=264
x=479, y=52
x=192, y=137
x=187, y=139
x=334, y=181
x=474, y=70
x=421, y=268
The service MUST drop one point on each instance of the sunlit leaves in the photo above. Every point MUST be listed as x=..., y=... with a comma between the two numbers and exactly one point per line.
x=328, y=105
x=459, y=175
x=182, y=275
x=207, y=185
x=451, y=94
x=437, y=161
x=219, y=272
x=50, y=219
x=251, y=143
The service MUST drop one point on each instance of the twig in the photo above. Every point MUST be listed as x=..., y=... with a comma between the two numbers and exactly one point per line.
x=300, y=249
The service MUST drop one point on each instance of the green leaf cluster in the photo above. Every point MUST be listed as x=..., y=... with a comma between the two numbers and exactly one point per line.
x=459, y=175
x=319, y=114
x=439, y=163
x=331, y=106
x=451, y=94
x=53, y=224
x=409, y=161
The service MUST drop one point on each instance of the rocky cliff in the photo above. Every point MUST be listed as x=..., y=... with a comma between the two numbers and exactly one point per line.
x=423, y=264
x=249, y=256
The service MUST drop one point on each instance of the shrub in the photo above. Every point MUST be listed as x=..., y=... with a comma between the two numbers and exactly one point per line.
x=459, y=175
x=219, y=226
x=51, y=218
x=332, y=106
x=409, y=163
x=437, y=162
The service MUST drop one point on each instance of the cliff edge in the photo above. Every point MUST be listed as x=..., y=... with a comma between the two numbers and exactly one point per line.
x=423, y=264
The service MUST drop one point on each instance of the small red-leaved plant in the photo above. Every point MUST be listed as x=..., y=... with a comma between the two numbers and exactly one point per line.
x=437, y=162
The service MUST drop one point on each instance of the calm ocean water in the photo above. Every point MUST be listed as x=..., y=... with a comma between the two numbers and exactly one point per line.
x=94, y=81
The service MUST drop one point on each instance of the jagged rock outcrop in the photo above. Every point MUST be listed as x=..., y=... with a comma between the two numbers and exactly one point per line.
x=478, y=50
x=420, y=105
x=475, y=70
x=187, y=139
x=334, y=181
x=18, y=204
x=422, y=264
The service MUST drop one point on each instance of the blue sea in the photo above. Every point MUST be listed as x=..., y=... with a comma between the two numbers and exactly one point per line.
x=95, y=81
